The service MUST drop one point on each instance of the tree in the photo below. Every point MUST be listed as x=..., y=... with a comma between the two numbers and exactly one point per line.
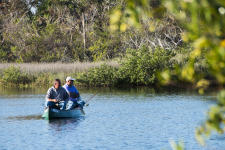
x=8, y=11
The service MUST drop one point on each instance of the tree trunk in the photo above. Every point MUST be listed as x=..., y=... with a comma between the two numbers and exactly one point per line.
x=84, y=33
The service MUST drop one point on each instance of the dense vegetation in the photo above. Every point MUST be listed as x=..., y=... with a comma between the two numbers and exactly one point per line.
x=143, y=36
x=71, y=30
x=139, y=67
x=74, y=30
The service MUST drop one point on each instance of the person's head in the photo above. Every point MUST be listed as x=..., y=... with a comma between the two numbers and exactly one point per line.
x=57, y=83
x=69, y=81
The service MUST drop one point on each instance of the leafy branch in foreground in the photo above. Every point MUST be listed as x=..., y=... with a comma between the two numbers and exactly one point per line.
x=205, y=31
x=177, y=146
x=204, y=22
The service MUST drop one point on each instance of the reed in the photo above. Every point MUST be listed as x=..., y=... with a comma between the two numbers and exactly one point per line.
x=33, y=68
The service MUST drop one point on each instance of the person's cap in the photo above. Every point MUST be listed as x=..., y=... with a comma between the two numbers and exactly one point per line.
x=69, y=78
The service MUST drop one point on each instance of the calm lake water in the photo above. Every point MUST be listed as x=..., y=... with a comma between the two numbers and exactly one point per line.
x=135, y=119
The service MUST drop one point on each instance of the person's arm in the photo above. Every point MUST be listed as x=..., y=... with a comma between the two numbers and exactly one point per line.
x=78, y=96
x=49, y=96
x=77, y=93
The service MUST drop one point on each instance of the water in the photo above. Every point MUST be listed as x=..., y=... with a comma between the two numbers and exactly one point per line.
x=140, y=119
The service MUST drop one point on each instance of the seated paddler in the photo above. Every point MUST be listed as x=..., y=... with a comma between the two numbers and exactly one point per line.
x=74, y=95
x=57, y=97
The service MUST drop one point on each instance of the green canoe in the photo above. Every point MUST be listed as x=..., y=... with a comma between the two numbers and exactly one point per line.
x=55, y=113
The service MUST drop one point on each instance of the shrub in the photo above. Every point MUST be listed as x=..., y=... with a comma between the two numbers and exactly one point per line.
x=47, y=79
x=14, y=75
x=104, y=75
x=44, y=79
x=139, y=67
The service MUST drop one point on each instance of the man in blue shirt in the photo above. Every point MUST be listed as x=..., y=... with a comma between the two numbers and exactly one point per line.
x=74, y=95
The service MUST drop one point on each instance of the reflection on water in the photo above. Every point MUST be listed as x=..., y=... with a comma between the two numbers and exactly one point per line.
x=100, y=91
x=57, y=123
x=10, y=91
x=61, y=122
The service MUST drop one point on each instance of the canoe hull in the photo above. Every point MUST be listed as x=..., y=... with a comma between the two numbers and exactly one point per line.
x=55, y=113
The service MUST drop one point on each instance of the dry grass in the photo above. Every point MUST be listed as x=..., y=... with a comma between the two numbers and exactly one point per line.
x=56, y=67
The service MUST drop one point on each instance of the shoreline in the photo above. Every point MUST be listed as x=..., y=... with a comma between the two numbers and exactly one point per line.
x=93, y=90
x=95, y=74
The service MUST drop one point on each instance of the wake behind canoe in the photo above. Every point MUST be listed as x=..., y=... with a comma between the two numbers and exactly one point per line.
x=55, y=113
